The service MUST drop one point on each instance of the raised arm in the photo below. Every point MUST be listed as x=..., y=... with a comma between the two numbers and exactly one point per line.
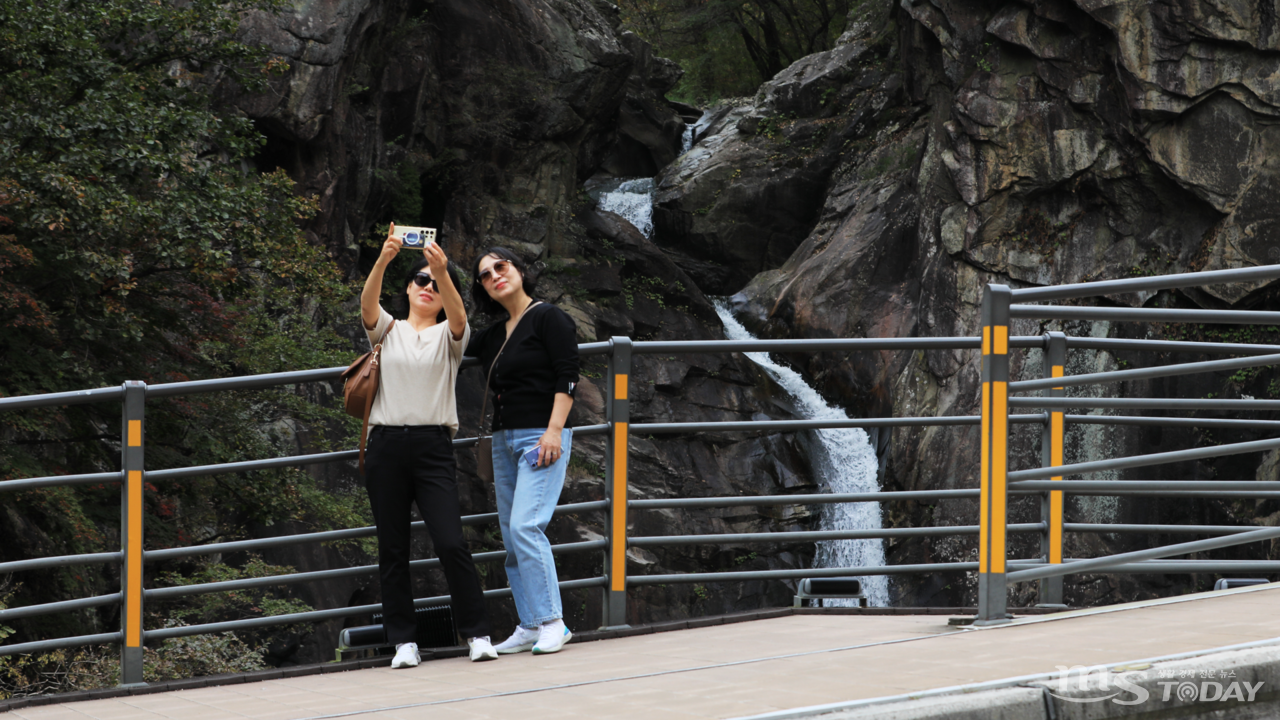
x=454, y=310
x=373, y=284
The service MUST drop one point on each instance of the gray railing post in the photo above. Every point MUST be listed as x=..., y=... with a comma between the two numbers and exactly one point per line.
x=994, y=465
x=619, y=416
x=1055, y=360
x=131, y=513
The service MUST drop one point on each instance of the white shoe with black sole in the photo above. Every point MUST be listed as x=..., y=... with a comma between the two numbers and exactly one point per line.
x=481, y=649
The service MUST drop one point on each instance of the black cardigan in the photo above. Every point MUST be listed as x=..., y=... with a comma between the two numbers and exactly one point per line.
x=540, y=360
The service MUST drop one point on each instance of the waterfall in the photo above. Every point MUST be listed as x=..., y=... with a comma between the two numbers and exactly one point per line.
x=632, y=198
x=847, y=464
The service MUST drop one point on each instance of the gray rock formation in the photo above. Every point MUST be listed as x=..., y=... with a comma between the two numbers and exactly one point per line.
x=1026, y=143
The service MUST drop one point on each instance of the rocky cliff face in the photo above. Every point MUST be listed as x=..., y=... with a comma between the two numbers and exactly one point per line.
x=501, y=110
x=946, y=145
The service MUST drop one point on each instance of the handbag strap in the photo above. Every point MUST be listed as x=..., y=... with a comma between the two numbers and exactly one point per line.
x=368, y=401
x=484, y=404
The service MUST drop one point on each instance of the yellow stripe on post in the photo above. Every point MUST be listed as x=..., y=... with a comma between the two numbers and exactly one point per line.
x=1001, y=340
x=999, y=456
x=619, y=387
x=135, y=433
x=1057, y=431
x=986, y=340
x=983, y=482
x=618, y=561
x=133, y=585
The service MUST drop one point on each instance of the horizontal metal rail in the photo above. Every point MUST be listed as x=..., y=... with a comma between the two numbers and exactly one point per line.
x=797, y=425
x=1118, y=314
x=1137, y=345
x=1067, y=403
x=75, y=397
x=59, y=561
x=1112, y=487
x=1107, y=528
x=800, y=573
x=322, y=615
x=61, y=606
x=1160, y=282
x=1140, y=420
x=818, y=535
x=1160, y=371
x=250, y=465
x=818, y=499
x=650, y=347
x=59, y=481
x=43, y=646
x=1149, y=554
x=244, y=382
x=1145, y=460
x=296, y=578
x=347, y=534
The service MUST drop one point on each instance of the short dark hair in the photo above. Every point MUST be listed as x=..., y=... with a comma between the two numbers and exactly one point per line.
x=480, y=297
x=408, y=279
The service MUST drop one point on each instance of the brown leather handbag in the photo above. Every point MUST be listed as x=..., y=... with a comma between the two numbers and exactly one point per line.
x=484, y=444
x=360, y=387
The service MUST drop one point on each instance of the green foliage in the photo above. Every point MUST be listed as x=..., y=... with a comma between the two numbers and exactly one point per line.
x=136, y=245
x=98, y=666
x=728, y=47
x=235, y=605
x=199, y=655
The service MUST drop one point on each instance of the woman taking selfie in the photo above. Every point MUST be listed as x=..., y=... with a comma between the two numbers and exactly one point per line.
x=410, y=450
x=536, y=353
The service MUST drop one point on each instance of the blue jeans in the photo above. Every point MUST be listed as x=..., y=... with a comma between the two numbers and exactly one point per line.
x=526, y=498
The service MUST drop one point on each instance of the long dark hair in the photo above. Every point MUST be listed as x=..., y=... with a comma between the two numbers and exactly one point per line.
x=480, y=297
x=408, y=280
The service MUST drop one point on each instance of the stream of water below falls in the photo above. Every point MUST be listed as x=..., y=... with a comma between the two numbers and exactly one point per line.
x=845, y=462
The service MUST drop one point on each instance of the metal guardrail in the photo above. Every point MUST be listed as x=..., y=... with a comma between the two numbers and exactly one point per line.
x=997, y=483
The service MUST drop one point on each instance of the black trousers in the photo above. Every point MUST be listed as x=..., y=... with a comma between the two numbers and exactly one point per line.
x=416, y=464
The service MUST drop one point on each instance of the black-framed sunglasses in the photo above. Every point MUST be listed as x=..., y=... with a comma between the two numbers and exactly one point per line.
x=423, y=280
x=498, y=268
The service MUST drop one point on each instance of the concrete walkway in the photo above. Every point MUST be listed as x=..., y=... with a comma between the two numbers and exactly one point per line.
x=727, y=671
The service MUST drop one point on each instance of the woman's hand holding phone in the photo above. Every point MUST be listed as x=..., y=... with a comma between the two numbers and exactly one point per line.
x=391, y=247
x=436, y=260
x=548, y=448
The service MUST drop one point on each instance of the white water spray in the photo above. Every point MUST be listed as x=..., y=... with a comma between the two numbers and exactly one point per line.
x=632, y=199
x=847, y=463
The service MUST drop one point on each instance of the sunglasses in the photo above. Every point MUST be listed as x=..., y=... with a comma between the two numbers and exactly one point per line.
x=423, y=280
x=499, y=268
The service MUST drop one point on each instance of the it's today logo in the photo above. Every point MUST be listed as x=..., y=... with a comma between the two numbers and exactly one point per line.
x=1196, y=687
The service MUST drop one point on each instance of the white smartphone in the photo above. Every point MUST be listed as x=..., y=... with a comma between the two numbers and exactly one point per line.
x=415, y=238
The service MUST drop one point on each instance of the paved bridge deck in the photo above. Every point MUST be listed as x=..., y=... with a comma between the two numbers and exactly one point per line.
x=726, y=671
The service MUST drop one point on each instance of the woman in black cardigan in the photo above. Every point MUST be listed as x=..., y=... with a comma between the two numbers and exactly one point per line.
x=533, y=385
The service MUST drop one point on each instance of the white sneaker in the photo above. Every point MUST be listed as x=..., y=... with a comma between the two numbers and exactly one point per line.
x=406, y=656
x=521, y=640
x=551, y=637
x=481, y=649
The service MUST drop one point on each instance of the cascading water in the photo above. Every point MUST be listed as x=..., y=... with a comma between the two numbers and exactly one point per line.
x=631, y=198
x=846, y=462
x=844, y=458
